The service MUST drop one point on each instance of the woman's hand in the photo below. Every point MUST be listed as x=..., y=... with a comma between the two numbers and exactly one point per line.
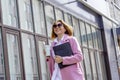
x=58, y=59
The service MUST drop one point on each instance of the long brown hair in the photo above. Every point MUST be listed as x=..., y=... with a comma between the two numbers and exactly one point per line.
x=69, y=29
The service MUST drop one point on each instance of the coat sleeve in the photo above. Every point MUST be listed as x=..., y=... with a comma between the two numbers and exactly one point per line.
x=77, y=53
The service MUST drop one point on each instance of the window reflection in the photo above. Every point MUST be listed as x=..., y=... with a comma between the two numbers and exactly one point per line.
x=13, y=57
x=25, y=15
x=100, y=66
x=94, y=37
x=10, y=16
x=29, y=55
x=49, y=17
x=2, y=70
x=117, y=13
x=39, y=17
x=68, y=19
x=87, y=64
x=93, y=62
x=117, y=2
x=59, y=14
x=99, y=36
x=44, y=68
x=89, y=35
x=76, y=29
x=83, y=33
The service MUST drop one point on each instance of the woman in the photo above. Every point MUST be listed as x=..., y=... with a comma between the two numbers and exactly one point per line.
x=62, y=33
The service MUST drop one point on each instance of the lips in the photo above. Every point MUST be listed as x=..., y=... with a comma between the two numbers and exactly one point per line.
x=57, y=31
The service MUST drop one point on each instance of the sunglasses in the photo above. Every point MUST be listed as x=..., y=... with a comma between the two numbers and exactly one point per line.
x=59, y=25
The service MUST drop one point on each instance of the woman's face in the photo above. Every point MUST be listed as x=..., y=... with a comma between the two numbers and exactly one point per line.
x=59, y=28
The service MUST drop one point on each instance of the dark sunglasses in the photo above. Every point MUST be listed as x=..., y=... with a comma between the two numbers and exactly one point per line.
x=59, y=25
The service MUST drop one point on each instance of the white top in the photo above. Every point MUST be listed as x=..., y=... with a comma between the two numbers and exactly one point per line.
x=56, y=73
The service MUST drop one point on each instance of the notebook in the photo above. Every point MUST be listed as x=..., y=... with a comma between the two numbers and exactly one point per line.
x=63, y=50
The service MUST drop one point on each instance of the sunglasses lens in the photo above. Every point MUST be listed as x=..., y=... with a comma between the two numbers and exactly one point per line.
x=59, y=25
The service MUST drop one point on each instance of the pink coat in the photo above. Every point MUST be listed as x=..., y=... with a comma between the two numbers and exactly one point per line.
x=73, y=72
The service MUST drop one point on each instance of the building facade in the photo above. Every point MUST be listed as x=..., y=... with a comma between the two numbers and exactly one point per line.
x=25, y=26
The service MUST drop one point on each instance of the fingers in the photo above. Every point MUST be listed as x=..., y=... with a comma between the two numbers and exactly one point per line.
x=58, y=59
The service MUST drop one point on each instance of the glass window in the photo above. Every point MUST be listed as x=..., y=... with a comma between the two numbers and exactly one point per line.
x=83, y=63
x=9, y=9
x=102, y=61
x=93, y=64
x=49, y=18
x=13, y=57
x=100, y=66
x=39, y=17
x=89, y=36
x=59, y=14
x=95, y=43
x=83, y=33
x=44, y=68
x=2, y=70
x=76, y=29
x=29, y=55
x=100, y=44
x=112, y=11
x=68, y=19
x=117, y=2
x=117, y=13
x=26, y=22
x=87, y=64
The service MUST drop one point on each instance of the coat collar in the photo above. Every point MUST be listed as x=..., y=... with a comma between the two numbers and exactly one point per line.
x=64, y=39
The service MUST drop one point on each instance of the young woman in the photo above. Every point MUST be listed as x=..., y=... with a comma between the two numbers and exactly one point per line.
x=62, y=33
